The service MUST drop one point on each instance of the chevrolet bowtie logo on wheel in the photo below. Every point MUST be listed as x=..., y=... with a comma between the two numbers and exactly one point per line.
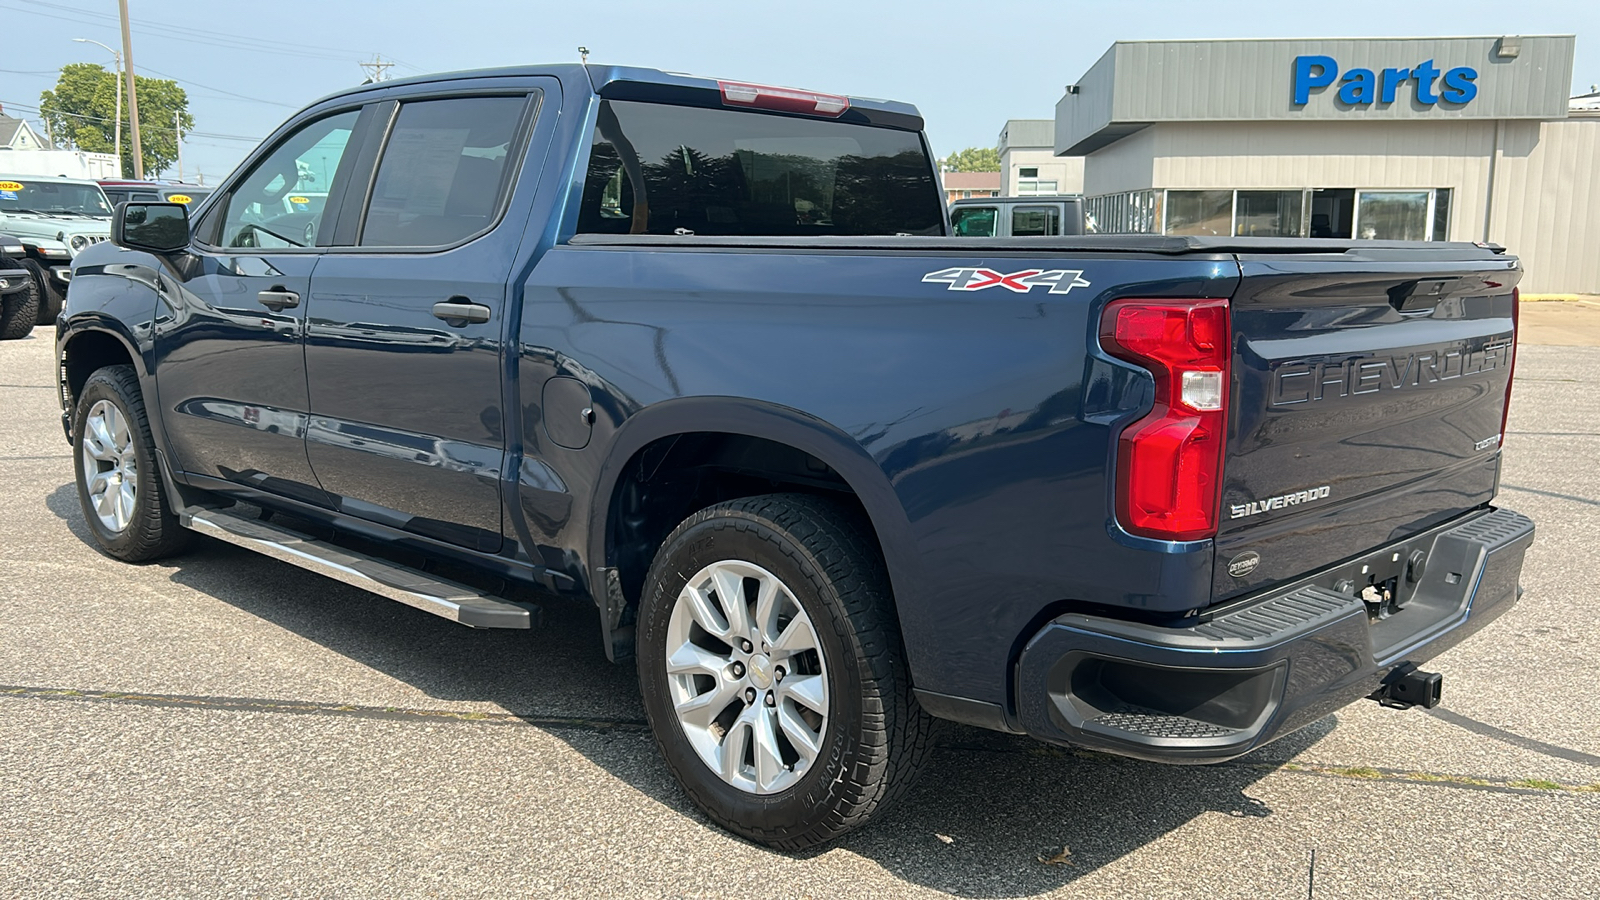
x=1059, y=281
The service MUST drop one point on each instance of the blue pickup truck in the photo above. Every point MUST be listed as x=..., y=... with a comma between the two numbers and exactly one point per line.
x=703, y=354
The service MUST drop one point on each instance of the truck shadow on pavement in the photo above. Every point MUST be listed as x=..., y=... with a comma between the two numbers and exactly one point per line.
x=988, y=810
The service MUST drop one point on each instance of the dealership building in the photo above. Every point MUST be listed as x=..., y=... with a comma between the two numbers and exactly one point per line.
x=1464, y=139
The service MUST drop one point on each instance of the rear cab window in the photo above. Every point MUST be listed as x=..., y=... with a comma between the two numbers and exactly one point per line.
x=662, y=169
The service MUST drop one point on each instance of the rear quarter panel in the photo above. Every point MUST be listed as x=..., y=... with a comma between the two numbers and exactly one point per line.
x=970, y=405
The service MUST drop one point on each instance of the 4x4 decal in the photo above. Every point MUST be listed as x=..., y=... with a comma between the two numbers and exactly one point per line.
x=1059, y=281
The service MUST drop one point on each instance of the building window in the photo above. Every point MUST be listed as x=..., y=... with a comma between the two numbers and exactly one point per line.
x=1200, y=212
x=965, y=194
x=1392, y=215
x=1417, y=214
x=1268, y=213
x=1029, y=188
x=1028, y=172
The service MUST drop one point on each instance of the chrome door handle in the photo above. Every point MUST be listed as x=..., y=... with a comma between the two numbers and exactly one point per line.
x=278, y=299
x=461, y=312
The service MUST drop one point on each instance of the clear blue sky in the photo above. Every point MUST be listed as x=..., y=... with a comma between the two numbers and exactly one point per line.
x=969, y=66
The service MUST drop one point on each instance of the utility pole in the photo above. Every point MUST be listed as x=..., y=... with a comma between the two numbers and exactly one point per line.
x=177, y=131
x=375, y=70
x=133, y=95
x=116, y=56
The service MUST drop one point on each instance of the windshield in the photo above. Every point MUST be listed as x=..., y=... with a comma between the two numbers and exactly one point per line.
x=186, y=196
x=53, y=197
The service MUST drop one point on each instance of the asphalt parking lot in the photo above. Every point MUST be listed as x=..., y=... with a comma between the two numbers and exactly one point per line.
x=227, y=725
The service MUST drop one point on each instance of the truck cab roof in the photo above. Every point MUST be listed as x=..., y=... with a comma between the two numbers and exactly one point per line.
x=638, y=83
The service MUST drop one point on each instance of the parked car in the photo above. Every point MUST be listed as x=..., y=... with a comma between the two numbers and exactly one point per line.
x=826, y=473
x=120, y=191
x=1058, y=214
x=19, y=296
x=55, y=218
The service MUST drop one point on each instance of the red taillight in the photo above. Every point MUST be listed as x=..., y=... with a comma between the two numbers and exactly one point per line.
x=1169, y=463
x=1511, y=377
x=761, y=96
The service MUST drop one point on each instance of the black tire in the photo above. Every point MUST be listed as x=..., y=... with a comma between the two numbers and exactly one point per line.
x=152, y=531
x=50, y=300
x=877, y=737
x=18, y=312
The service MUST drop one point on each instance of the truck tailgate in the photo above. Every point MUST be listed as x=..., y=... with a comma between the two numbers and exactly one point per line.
x=1368, y=395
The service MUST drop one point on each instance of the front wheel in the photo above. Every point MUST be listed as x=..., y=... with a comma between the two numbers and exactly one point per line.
x=772, y=671
x=119, y=484
x=50, y=299
x=18, y=310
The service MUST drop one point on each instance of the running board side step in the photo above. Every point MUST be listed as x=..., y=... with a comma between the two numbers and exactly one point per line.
x=449, y=599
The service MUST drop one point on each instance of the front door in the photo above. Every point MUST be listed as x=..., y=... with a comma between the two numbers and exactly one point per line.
x=232, y=369
x=404, y=335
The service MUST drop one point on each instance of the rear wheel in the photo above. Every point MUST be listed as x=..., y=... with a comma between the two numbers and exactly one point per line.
x=18, y=311
x=772, y=672
x=119, y=482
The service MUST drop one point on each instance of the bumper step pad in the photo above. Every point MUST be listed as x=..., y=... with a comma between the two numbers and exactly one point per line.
x=1152, y=723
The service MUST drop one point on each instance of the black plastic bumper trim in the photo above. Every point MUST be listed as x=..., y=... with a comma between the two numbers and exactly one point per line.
x=1320, y=643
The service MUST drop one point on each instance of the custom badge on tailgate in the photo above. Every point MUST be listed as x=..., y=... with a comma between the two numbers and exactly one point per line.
x=1060, y=281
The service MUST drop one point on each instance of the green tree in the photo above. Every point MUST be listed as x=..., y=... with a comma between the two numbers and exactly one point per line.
x=973, y=159
x=82, y=111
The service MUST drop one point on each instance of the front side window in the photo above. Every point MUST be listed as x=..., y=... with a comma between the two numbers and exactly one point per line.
x=280, y=204
x=443, y=171
x=660, y=169
x=973, y=221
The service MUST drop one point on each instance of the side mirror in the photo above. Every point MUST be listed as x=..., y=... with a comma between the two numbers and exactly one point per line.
x=157, y=227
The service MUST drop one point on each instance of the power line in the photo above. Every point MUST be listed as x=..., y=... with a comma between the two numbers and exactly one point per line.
x=206, y=87
x=189, y=35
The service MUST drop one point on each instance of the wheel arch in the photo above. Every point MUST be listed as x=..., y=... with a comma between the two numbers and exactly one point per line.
x=93, y=343
x=847, y=461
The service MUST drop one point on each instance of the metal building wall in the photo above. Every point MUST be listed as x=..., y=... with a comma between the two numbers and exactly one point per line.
x=1137, y=83
x=1546, y=206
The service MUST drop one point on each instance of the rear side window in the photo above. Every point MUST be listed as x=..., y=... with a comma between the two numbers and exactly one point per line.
x=659, y=169
x=443, y=171
x=1033, y=221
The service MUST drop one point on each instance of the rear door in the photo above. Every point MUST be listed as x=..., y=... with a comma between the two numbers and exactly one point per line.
x=1369, y=389
x=404, y=335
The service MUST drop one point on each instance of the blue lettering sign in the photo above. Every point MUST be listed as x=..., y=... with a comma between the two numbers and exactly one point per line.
x=1363, y=87
x=1312, y=72
x=1425, y=75
x=1391, y=81
x=1458, y=86
x=1358, y=87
